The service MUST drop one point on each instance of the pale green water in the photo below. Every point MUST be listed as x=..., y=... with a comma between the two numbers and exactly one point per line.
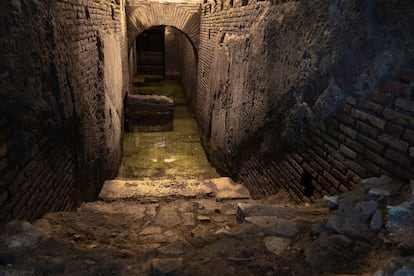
x=166, y=154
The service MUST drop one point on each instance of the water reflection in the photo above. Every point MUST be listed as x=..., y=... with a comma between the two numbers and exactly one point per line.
x=167, y=154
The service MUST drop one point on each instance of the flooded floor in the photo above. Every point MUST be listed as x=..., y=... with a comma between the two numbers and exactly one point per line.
x=167, y=154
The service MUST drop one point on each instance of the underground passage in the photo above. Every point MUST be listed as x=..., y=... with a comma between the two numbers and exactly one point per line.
x=201, y=137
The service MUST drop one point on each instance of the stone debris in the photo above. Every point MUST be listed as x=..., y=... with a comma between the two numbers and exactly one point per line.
x=332, y=202
x=181, y=234
x=21, y=234
x=359, y=221
x=276, y=245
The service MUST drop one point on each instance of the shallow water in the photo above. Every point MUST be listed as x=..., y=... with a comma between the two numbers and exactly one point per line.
x=167, y=154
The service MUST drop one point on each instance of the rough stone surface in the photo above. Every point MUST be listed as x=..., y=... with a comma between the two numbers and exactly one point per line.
x=274, y=225
x=247, y=210
x=276, y=245
x=166, y=266
x=62, y=82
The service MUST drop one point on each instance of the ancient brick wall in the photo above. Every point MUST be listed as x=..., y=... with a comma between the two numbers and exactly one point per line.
x=60, y=102
x=370, y=135
x=188, y=64
x=294, y=95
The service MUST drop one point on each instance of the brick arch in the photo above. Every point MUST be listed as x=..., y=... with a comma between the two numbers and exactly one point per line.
x=182, y=16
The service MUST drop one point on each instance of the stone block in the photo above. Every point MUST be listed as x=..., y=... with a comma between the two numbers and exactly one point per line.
x=149, y=113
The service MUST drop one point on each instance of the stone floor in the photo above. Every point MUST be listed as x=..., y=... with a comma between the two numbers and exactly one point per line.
x=216, y=229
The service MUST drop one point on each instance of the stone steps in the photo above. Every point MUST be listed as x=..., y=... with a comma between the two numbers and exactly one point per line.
x=134, y=189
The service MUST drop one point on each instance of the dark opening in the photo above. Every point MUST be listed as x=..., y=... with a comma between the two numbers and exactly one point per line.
x=306, y=182
x=245, y=2
x=151, y=51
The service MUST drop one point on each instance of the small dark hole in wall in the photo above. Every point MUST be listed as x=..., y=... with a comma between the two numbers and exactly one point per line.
x=245, y=2
x=88, y=16
x=112, y=13
x=306, y=182
x=231, y=3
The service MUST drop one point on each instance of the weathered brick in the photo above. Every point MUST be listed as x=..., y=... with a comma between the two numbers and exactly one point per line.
x=409, y=136
x=346, y=119
x=315, y=166
x=355, y=167
x=331, y=179
x=398, y=117
x=329, y=140
x=325, y=165
x=378, y=160
x=334, y=153
x=405, y=105
x=393, y=142
x=393, y=129
x=395, y=87
x=366, y=117
x=371, y=106
x=398, y=158
x=366, y=129
x=381, y=98
x=348, y=152
x=353, y=145
x=4, y=196
x=348, y=131
x=341, y=177
x=370, y=143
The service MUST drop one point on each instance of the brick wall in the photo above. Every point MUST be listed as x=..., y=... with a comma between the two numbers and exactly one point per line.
x=188, y=65
x=58, y=110
x=371, y=134
x=294, y=95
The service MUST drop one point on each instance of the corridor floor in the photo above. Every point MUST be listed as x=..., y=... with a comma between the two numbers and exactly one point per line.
x=166, y=154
